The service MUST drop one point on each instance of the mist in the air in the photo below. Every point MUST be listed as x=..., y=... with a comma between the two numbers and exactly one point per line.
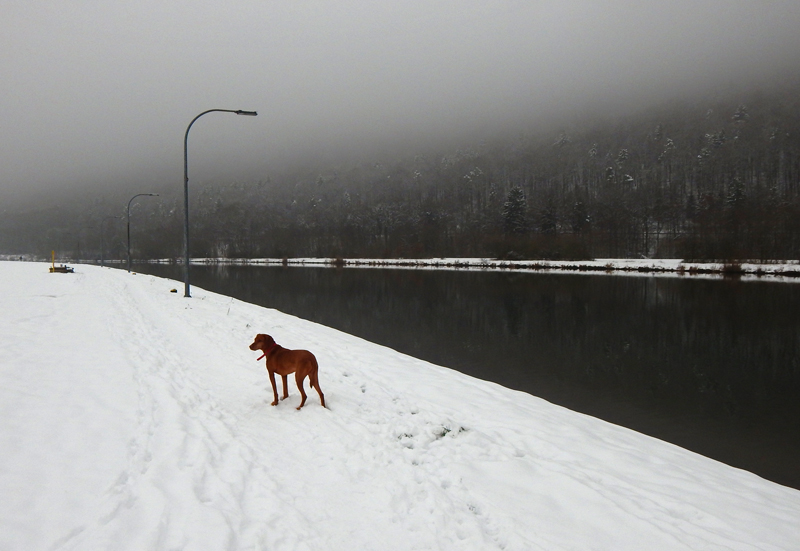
x=98, y=96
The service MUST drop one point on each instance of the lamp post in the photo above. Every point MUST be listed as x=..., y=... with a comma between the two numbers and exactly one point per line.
x=186, y=191
x=129, y=223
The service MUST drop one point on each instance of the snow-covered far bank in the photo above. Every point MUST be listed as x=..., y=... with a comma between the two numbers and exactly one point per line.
x=134, y=418
x=783, y=271
x=787, y=270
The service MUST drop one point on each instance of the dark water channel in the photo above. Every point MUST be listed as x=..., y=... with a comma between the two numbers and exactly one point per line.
x=712, y=366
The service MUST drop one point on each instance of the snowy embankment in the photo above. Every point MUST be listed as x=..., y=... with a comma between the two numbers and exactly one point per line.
x=134, y=418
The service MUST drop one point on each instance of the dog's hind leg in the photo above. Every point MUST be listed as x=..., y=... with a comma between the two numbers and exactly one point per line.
x=314, y=382
x=299, y=376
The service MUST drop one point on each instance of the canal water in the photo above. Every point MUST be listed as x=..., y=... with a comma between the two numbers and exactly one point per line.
x=710, y=365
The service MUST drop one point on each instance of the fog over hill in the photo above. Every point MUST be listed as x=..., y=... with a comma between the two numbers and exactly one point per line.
x=97, y=97
x=713, y=177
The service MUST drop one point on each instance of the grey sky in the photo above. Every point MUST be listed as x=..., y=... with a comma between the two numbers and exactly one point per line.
x=101, y=93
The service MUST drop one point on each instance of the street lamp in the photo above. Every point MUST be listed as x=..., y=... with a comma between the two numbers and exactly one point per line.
x=129, y=223
x=186, y=191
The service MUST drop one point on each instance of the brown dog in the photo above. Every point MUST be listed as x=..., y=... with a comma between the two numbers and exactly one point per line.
x=282, y=361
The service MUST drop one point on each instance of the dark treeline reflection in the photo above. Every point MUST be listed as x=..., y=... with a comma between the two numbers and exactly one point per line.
x=709, y=365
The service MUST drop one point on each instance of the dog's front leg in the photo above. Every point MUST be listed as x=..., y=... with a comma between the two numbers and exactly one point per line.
x=285, y=388
x=274, y=388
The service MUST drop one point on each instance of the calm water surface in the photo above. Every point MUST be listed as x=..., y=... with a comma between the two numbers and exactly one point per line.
x=712, y=366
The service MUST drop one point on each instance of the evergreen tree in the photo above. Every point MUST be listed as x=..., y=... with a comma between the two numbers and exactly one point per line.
x=514, y=212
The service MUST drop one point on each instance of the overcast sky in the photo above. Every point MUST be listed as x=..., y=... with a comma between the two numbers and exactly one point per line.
x=101, y=93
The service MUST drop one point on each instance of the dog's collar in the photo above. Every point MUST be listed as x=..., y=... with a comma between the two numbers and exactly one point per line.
x=268, y=350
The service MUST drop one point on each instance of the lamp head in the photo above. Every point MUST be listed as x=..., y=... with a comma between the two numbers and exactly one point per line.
x=248, y=113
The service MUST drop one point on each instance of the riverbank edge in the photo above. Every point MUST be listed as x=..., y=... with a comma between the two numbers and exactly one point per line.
x=786, y=270
x=789, y=269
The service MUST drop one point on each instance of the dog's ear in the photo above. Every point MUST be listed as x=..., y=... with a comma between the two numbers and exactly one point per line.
x=268, y=340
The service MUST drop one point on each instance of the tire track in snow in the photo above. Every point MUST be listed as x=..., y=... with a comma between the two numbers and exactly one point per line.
x=226, y=450
x=178, y=418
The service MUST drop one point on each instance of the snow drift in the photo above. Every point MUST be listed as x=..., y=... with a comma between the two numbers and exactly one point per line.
x=134, y=418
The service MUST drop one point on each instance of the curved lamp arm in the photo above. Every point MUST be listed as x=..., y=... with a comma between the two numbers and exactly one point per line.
x=186, y=190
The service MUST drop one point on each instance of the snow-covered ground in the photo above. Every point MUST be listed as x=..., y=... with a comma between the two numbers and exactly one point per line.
x=134, y=418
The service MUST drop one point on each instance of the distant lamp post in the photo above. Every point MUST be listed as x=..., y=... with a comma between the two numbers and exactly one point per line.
x=186, y=191
x=129, y=222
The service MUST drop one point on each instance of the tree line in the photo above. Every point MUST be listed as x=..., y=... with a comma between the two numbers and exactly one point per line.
x=711, y=179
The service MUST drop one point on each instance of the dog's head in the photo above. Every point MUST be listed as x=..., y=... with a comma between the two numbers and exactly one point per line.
x=262, y=342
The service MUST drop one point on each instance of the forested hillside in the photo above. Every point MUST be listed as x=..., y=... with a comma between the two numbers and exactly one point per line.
x=711, y=178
